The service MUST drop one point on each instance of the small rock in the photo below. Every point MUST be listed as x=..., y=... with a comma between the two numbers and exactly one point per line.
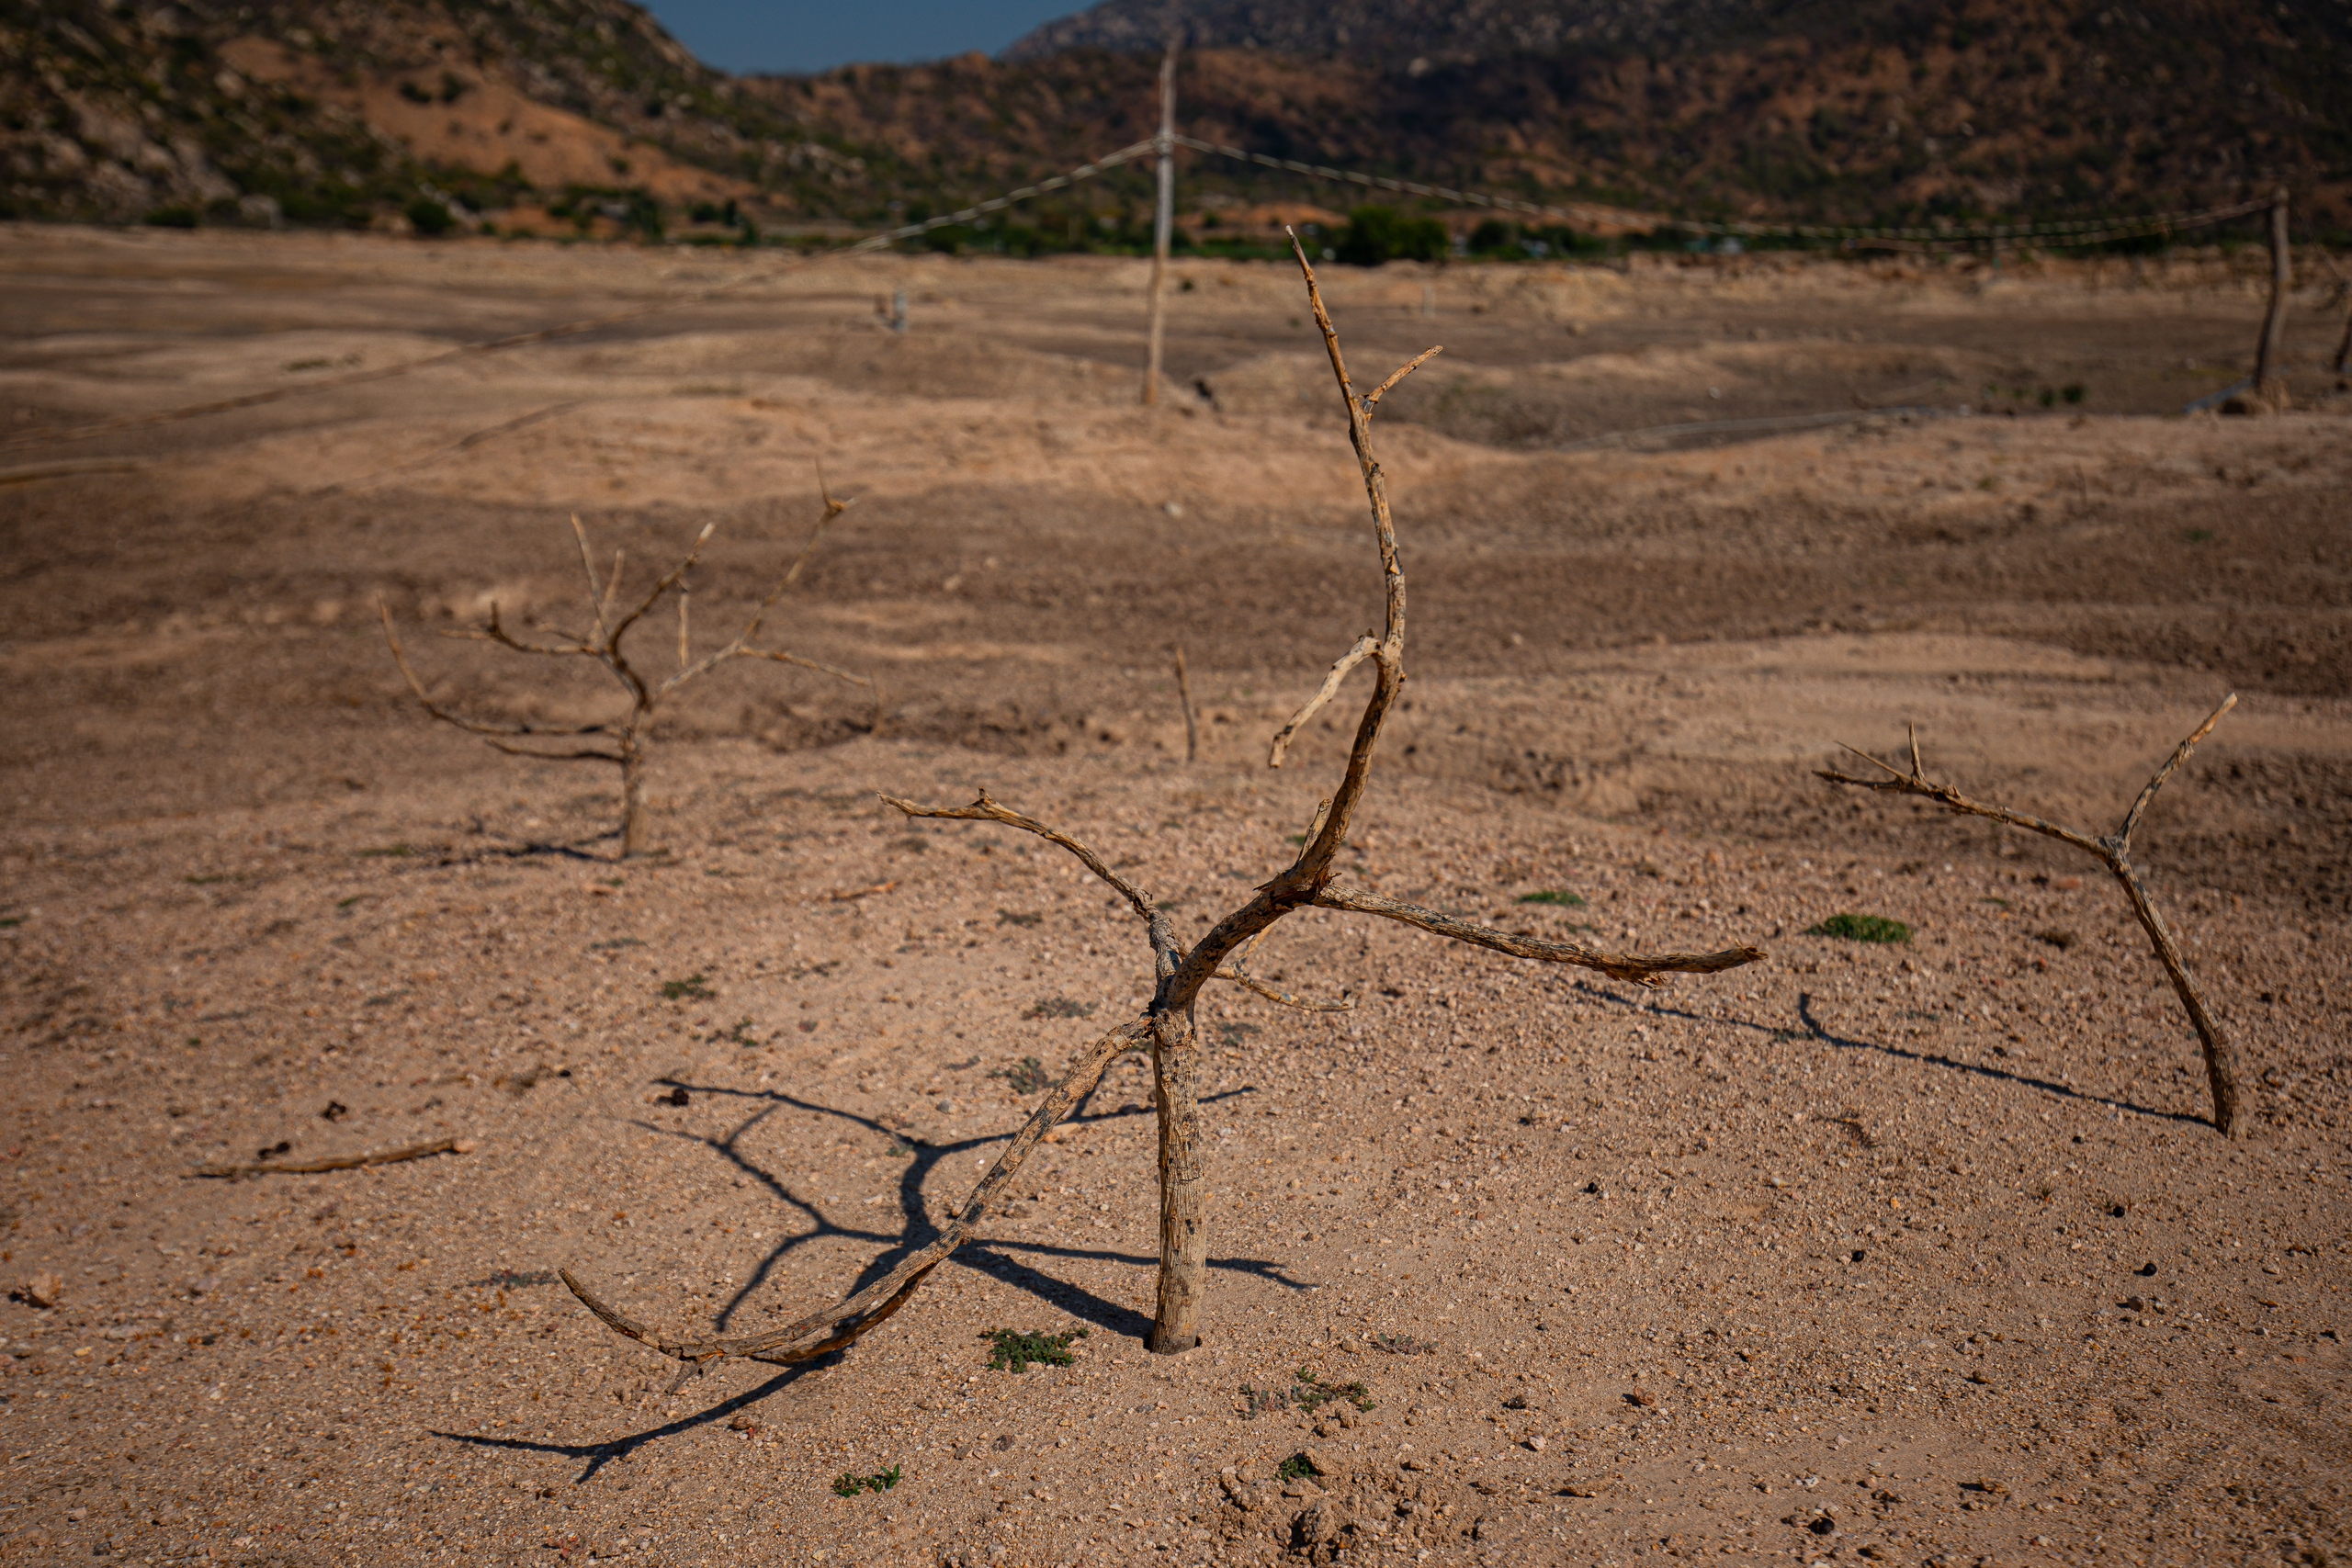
x=1322, y=1523
x=337, y=1110
x=1322, y=1461
x=2146, y=1271
x=1516, y=1402
x=42, y=1291
x=1642, y=1397
x=1582, y=1489
x=946, y=1108
x=1536, y=1444
x=1303, y=1488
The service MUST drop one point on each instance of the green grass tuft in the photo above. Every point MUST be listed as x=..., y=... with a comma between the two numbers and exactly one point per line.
x=1559, y=895
x=1862, y=928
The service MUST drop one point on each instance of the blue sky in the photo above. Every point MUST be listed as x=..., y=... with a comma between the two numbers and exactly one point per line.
x=794, y=35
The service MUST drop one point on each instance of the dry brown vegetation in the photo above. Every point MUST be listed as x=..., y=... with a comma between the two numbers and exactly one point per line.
x=256, y=899
x=614, y=618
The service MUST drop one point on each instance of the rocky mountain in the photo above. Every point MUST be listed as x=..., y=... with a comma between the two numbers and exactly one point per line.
x=1841, y=107
x=341, y=111
x=556, y=111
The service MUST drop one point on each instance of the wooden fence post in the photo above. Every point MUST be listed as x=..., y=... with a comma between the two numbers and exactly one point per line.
x=1163, y=218
x=2269, y=378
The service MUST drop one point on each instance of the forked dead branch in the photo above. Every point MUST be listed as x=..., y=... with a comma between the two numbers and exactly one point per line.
x=1167, y=1027
x=627, y=736
x=2115, y=853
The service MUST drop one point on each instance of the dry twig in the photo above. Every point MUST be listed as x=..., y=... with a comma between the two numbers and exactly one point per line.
x=1192, y=725
x=2115, y=853
x=341, y=1162
x=625, y=739
x=1167, y=1025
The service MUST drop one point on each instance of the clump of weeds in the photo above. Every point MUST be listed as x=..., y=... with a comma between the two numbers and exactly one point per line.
x=1013, y=1350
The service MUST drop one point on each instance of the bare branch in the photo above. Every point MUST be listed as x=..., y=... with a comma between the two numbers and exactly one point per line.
x=667, y=581
x=843, y=1323
x=495, y=631
x=597, y=602
x=341, y=1162
x=741, y=646
x=1373, y=401
x=2221, y=1057
x=685, y=595
x=1363, y=649
x=470, y=726
x=2179, y=755
x=1249, y=983
x=1641, y=968
x=612, y=588
x=512, y=750
x=986, y=810
x=1953, y=800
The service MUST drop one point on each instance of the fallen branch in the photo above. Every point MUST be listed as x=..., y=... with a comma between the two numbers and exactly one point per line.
x=2115, y=853
x=341, y=1162
x=1167, y=1024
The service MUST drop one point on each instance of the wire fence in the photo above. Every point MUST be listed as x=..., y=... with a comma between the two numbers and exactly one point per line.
x=2077, y=232
x=2081, y=231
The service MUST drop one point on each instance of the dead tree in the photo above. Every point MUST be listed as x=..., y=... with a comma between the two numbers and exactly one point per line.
x=626, y=735
x=1166, y=1026
x=2115, y=853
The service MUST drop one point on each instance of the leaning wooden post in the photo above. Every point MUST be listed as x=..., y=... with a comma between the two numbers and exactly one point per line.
x=1163, y=218
x=2269, y=381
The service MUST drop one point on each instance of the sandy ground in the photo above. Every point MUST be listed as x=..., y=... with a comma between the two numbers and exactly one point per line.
x=1919, y=1253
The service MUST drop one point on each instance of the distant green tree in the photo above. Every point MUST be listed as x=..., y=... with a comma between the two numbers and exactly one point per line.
x=1494, y=237
x=1378, y=234
x=430, y=218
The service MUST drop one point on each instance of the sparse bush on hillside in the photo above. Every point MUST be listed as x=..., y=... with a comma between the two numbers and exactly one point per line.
x=1379, y=234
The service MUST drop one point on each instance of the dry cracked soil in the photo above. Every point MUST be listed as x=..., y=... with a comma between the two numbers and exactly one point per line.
x=1916, y=1252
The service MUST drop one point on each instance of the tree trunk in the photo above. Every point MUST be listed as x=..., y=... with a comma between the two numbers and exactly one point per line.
x=635, y=830
x=1183, y=1176
x=2221, y=1057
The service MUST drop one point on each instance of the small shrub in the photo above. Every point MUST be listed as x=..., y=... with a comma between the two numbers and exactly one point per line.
x=1862, y=928
x=1062, y=1007
x=2058, y=937
x=1309, y=1394
x=694, y=987
x=1012, y=1350
x=429, y=217
x=172, y=217
x=1296, y=1468
x=1403, y=1344
x=848, y=1486
x=1559, y=895
x=1024, y=1077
